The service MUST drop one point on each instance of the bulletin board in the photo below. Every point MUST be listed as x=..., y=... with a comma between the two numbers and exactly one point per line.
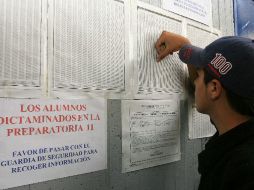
x=91, y=48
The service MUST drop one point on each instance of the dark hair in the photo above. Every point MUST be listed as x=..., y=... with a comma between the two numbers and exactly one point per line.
x=242, y=105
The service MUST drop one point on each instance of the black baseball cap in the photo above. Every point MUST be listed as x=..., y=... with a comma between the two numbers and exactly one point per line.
x=230, y=59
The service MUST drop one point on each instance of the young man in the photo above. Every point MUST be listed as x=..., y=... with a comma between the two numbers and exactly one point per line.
x=223, y=76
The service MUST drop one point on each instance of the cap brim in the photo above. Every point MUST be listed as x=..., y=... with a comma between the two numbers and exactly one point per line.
x=190, y=54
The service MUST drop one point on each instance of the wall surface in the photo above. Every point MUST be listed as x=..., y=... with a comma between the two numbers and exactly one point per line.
x=180, y=175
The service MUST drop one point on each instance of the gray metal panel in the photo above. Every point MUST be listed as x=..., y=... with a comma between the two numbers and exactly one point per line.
x=91, y=181
x=26, y=187
x=177, y=175
x=152, y=178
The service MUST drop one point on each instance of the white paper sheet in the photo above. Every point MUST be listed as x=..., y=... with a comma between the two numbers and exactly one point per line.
x=45, y=139
x=168, y=75
x=199, y=10
x=20, y=43
x=199, y=36
x=150, y=133
x=89, y=45
x=199, y=124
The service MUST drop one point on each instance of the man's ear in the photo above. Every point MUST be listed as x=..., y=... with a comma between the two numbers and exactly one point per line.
x=214, y=89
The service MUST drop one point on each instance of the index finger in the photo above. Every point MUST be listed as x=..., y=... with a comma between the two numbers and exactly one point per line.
x=163, y=54
x=160, y=41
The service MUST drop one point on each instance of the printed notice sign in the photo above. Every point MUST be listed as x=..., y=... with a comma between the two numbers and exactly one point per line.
x=151, y=133
x=44, y=139
x=199, y=10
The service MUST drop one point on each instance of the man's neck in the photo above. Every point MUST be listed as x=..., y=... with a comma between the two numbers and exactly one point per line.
x=226, y=121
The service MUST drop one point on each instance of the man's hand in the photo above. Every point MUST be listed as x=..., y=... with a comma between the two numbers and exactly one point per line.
x=168, y=43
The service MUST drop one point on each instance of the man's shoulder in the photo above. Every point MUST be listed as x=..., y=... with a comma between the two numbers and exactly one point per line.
x=238, y=172
x=242, y=157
